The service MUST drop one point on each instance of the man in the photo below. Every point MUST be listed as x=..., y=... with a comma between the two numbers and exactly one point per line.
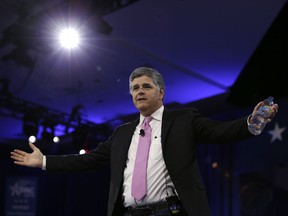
x=172, y=178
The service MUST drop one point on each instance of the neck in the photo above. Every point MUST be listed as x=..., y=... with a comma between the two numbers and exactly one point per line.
x=146, y=113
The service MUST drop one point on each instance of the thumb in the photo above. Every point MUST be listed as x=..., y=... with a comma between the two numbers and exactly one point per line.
x=258, y=105
x=32, y=146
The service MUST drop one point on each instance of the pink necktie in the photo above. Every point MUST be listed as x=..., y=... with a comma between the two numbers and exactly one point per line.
x=139, y=179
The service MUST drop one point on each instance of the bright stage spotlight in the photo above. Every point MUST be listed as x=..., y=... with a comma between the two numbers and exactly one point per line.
x=69, y=38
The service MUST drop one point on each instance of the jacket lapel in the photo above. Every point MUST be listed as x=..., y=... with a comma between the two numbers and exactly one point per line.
x=127, y=139
x=167, y=120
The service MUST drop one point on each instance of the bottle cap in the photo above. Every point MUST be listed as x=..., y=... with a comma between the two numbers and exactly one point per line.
x=270, y=98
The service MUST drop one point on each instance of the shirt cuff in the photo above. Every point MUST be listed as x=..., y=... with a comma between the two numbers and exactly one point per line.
x=248, y=119
x=44, y=163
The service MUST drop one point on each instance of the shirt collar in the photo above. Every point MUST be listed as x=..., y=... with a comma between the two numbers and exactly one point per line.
x=157, y=115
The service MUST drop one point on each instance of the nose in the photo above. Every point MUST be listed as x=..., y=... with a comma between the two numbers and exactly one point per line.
x=141, y=90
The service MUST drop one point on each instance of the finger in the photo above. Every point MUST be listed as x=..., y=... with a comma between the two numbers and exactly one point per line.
x=20, y=152
x=13, y=153
x=259, y=105
x=274, y=111
x=16, y=158
x=16, y=155
x=275, y=108
x=19, y=163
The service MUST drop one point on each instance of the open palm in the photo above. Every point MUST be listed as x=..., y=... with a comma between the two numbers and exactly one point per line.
x=23, y=158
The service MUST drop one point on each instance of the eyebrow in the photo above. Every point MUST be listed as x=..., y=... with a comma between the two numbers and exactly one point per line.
x=143, y=84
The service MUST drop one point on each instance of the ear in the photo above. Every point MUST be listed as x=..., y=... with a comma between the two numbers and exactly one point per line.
x=161, y=97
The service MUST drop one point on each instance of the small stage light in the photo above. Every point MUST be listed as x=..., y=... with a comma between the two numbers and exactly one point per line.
x=32, y=139
x=82, y=151
x=56, y=139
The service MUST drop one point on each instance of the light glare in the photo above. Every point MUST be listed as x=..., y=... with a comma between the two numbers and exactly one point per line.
x=69, y=38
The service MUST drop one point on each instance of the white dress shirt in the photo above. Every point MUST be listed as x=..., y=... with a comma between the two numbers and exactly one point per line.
x=157, y=173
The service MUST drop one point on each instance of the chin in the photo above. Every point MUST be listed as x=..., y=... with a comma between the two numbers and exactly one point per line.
x=142, y=108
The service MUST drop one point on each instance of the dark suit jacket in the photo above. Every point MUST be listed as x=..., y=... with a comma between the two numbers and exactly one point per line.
x=181, y=130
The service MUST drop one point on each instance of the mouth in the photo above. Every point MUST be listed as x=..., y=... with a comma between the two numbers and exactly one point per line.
x=141, y=99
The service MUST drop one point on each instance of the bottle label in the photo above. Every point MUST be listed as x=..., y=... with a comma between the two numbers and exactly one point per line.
x=265, y=111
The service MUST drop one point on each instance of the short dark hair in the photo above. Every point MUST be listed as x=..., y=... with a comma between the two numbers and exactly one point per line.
x=150, y=72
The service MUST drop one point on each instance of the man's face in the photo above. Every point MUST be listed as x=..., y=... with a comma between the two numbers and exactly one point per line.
x=146, y=97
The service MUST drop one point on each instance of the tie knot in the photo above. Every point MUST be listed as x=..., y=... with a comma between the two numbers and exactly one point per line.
x=148, y=119
x=146, y=122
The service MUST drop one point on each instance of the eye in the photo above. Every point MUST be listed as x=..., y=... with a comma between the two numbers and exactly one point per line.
x=135, y=88
x=147, y=86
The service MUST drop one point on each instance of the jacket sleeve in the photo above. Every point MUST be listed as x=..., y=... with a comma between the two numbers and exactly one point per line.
x=213, y=131
x=98, y=157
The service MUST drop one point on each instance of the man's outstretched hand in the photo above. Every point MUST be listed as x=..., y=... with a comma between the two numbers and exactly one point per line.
x=34, y=159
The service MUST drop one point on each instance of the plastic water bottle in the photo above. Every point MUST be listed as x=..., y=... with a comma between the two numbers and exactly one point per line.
x=258, y=122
